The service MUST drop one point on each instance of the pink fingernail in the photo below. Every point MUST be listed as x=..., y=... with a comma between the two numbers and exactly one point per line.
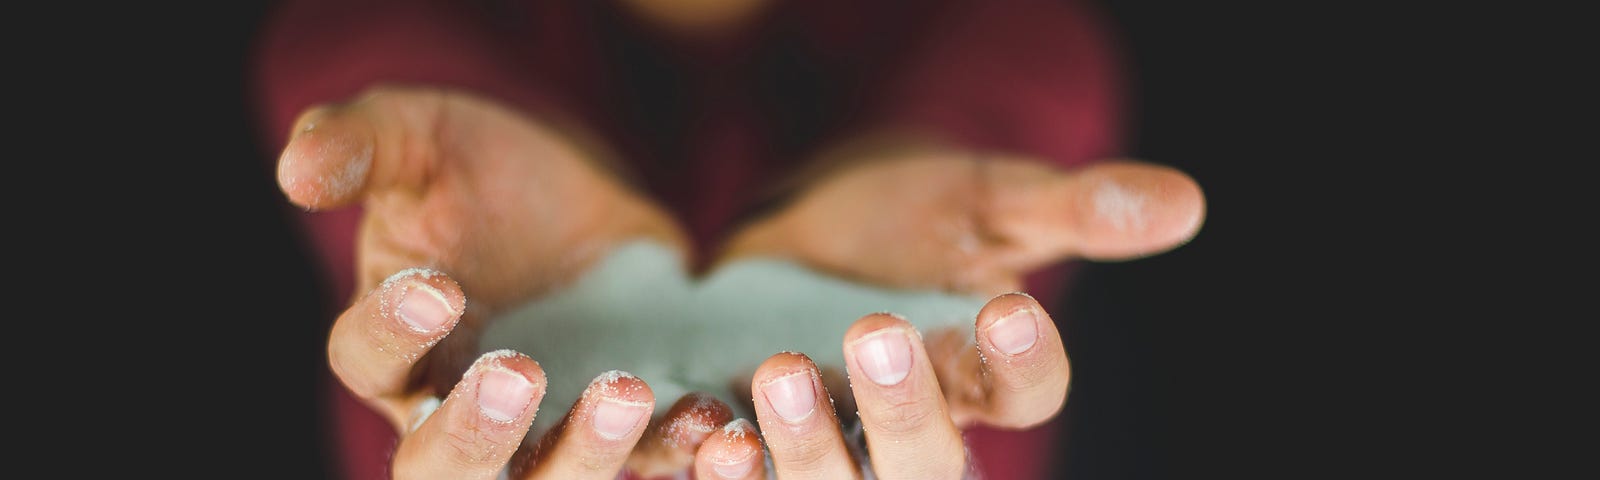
x=733, y=434
x=884, y=355
x=614, y=419
x=1016, y=332
x=503, y=394
x=792, y=396
x=424, y=308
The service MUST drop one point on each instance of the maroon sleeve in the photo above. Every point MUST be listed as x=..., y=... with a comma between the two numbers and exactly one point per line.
x=320, y=51
x=1036, y=77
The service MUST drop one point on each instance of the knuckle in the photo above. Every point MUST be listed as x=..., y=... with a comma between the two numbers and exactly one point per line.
x=599, y=459
x=903, y=418
x=1024, y=378
x=594, y=463
x=1032, y=376
x=806, y=454
x=471, y=449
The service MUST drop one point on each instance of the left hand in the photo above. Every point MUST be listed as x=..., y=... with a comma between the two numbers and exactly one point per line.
x=940, y=218
x=505, y=206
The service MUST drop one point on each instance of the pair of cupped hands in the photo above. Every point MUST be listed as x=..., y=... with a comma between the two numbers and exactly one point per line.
x=464, y=197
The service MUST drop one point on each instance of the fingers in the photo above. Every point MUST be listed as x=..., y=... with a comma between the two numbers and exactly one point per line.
x=732, y=452
x=597, y=435
x=798, y=421
x=670, y=445
x=1017, y=374
x=336, y=152
x=376, y=341
x=477, y=429
x=908, y=427
x=1108, y=211
x=1025, y=360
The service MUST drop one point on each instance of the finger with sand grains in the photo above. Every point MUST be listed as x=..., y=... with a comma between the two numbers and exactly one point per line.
x=733, y=452
x=1024, y=361
x=377, y=340
x=669, y=446
x=597, y=435
x=480, y=425
x=798, y=421
x=907, y=424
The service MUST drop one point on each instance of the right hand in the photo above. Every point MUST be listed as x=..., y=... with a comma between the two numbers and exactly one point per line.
x=462, y=194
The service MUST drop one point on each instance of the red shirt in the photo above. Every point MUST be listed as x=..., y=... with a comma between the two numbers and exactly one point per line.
x=709, y=125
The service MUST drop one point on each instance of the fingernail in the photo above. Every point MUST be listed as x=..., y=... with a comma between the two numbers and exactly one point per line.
x=424, y=308
x=884, y=355
x=733, y=439
x=695, y=422
x=1015, y=332
x=614, y=419
x=792, y=395
x=503, y=394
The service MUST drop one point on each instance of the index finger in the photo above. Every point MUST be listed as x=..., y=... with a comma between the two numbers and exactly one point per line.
x=1017, y=373
x=376, y=342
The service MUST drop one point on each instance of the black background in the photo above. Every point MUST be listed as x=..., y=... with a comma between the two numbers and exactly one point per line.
x=1286, y=341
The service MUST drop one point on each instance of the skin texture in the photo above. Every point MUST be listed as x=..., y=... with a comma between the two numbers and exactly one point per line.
x=472, y=208
x=930, y=216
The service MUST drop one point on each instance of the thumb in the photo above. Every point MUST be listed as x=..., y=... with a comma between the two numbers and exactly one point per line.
x=339, y=152
x=1113, y=210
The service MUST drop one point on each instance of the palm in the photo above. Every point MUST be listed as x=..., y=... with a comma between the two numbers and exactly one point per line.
x=503, y=204
x=958, y=222
x=925, y=211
